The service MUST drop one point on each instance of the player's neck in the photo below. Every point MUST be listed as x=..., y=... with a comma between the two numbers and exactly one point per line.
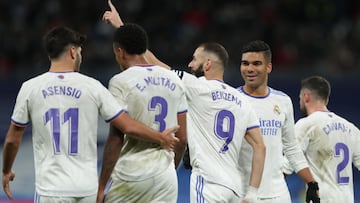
x=214, y=75
x=316, y=107
x=137, y=61
x=61, y=67
x=214, y=78
x=258, y=91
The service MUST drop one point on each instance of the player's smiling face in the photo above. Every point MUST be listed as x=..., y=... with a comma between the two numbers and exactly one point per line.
x=255, y=69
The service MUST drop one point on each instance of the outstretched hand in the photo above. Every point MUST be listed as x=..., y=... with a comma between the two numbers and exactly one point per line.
x=112, y=17
x=7, y=177
x=168, y=139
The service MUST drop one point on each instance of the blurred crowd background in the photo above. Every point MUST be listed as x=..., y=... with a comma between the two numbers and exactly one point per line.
x=321, y=36
x=306, y=36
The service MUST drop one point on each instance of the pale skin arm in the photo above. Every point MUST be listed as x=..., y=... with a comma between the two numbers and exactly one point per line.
x=112, y=17
x=181, y=134
x=138, y=130
x=110, y=156
x=11, y=147
x=255, y=139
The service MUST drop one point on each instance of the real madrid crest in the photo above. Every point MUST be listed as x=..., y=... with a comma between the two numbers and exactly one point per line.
x=277, y=109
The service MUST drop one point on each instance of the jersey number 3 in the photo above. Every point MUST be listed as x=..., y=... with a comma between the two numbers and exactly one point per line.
x=159, y=102
x=70, y=117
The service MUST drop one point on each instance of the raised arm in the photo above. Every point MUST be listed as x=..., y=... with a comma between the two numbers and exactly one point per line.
x=112, y=17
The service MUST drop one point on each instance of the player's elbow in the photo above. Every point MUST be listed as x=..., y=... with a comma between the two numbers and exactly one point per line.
x=181, y=135
x=129, y=129
x=260, y=148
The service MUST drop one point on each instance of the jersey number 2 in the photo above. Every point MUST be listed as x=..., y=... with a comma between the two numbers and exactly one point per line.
x=341, y=147
x=71, y=117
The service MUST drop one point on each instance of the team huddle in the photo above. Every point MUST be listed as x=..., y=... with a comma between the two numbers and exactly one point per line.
x=240, y=143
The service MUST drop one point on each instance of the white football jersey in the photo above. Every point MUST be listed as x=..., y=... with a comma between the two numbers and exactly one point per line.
x=218, y=119
x=331, y=145
x=154, y=96
x=63, y=109
x=275, y=112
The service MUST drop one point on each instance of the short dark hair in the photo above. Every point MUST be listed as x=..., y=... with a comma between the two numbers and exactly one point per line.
x=132, y=38
x=218, y=50
x=56, y=40
x=318, y=85
x=258, y=46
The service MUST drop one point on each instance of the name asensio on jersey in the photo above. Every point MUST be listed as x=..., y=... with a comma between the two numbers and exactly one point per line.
x=158, y=81
x=216, y=95
x=61, y=90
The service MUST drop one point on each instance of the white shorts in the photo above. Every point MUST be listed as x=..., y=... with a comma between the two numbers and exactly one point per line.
x=49, y=199
x=202, y=191
x=283, y=198
x=162, y=188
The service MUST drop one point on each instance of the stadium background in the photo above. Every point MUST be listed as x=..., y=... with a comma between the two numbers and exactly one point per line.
x=306, y=36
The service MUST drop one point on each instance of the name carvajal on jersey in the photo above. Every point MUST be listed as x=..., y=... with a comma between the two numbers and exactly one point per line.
x=157, y=81
x=336, y=126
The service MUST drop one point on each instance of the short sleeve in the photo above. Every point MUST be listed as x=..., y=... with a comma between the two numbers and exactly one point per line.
x=20, y=114
x=109, y=107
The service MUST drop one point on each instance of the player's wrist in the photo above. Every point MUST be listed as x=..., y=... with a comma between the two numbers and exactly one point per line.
x=313, y=185
x=161, y=139
x=251, y=194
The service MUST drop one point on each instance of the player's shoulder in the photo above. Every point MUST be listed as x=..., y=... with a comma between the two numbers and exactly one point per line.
x=278, y=93
x=279, y=96
x=345, y=120
x=36, y=79
x=233, y=90
x=305, y=120
x=170, y=73
x=88, y=79
x=273, y=93
x=237, y=93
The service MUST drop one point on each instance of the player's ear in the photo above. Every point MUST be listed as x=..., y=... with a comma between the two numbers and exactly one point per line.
x=306, y=96
x=121, y=52
x=269, y=67
x=208, y=64
x=72, y=52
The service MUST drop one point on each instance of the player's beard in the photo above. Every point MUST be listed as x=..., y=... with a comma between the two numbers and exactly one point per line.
x=199, y=72
x=303, y=112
